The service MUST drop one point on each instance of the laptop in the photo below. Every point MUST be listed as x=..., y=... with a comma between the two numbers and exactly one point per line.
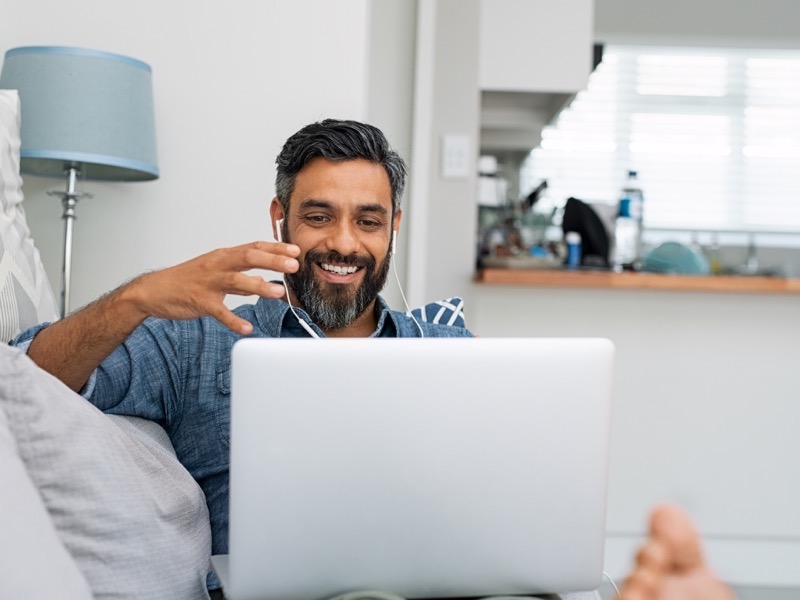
x=428, y=468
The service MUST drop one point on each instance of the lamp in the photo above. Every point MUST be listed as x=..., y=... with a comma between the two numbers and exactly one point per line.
x=84, y=113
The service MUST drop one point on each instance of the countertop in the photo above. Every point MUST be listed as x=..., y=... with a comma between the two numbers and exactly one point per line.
x=648, y=281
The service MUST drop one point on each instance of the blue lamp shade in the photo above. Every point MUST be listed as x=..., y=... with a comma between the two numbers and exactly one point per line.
x=83, y=108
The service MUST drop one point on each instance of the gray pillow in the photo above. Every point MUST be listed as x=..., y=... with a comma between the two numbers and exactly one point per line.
x=131, y=516
x=33, y=561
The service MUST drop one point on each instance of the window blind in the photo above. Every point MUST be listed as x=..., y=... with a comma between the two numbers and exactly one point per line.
x=713, y=133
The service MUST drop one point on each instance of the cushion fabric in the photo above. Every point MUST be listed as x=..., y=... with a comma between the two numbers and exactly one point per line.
x=132, y=518
x=26, y=297
x=33, y=562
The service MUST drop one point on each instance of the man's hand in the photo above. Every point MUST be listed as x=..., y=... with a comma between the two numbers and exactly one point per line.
x=73, y=347
x=197, y=288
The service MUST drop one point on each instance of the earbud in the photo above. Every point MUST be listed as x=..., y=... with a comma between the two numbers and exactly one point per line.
x=394, y=240
x=303, y=324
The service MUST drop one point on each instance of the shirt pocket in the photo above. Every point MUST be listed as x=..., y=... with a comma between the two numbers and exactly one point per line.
x=223, y=405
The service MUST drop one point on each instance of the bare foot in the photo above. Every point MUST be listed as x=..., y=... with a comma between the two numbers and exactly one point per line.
x=670, y=564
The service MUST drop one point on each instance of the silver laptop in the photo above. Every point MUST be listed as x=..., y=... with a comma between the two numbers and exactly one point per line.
x=429, y=468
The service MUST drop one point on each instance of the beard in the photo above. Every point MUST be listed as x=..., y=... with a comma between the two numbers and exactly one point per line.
x=334, y=306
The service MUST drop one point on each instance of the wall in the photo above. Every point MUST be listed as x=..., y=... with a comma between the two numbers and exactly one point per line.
x=390, y=102
x=704, y=414
x=231, y=81
x=447, y=102
x=757, y=23
x=705, y=404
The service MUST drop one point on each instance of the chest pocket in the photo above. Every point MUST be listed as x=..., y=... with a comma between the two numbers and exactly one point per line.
x=223, y=405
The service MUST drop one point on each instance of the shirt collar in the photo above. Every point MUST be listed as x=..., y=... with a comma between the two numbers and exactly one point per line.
x=276, y=319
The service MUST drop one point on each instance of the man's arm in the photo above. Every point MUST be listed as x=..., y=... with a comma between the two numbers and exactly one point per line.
x=73, y=347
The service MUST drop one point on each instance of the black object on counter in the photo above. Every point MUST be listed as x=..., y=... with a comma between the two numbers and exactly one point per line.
x=582, y=218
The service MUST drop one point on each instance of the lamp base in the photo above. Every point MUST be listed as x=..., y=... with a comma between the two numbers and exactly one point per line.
x=69, y=201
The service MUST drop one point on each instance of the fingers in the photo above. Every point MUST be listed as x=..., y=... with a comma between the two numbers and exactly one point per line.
x=197, y=288
x=264, y=255
x=249, y=285
x=231, y=321
x=275, y=247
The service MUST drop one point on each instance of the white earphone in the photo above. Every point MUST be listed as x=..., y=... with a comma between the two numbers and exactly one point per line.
x=400, y=287
x=303, y=324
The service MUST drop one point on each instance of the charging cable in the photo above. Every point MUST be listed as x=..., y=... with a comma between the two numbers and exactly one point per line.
x=611, y=581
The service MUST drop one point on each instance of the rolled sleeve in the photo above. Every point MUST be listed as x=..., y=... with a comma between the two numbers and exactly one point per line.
x=143, y=376
x=24, y=340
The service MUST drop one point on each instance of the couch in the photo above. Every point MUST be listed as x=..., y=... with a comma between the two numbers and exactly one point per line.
x=93, y=505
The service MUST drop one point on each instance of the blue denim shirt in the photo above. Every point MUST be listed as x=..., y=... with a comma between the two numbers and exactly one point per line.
x=178, y=373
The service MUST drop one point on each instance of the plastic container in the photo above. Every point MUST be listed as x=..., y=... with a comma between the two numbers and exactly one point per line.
x=627, y=254
x=573, y=239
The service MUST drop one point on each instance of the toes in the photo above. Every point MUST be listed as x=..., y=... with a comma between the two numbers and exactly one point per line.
x=655, y=556
x=672, y=526
x=643, y=584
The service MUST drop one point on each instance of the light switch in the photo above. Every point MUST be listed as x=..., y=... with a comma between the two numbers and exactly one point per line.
x=456, y=158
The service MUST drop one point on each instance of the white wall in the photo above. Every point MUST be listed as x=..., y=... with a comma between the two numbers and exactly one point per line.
x=447, y=102
x=231, y=81
x=390, y=103
x=704, y=413
x=755, y=23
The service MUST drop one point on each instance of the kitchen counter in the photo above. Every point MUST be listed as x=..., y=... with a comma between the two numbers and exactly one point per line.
x=647, y=281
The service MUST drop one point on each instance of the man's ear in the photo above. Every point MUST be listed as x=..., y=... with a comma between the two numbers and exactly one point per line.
x=396, y=220
x=276, y=214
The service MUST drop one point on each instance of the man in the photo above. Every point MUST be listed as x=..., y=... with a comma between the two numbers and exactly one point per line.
x=159, y=347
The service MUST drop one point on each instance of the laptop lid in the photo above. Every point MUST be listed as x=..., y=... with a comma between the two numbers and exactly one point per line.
x=430, y=468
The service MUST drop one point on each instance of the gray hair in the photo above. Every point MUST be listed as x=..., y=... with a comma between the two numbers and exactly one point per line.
x=337, y=141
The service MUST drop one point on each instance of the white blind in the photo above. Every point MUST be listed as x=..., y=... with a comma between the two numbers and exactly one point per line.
x=714, y=135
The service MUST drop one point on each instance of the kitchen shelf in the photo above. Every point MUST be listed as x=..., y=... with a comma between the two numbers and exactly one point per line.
x=644, y=281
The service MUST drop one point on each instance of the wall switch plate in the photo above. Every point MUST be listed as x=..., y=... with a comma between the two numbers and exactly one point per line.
x=456, y=157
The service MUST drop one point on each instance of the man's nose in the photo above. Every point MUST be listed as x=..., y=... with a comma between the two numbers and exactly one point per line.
x=344, y=240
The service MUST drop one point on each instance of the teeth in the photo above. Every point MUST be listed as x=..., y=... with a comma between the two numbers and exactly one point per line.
x=339, y=270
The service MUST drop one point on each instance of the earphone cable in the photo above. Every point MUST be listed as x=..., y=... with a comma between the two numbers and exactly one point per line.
x=402, y=295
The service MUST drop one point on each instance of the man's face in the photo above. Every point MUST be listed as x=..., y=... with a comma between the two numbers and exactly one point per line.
x=341, y=218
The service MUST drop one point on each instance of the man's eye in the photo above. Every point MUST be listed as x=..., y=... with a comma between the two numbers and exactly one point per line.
x=316, y=218
x=370, y=223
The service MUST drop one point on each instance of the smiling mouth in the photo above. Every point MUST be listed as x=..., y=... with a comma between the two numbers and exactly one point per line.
x=339, y=269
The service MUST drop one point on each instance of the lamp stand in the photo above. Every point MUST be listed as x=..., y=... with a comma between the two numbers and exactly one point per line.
x=69, y=201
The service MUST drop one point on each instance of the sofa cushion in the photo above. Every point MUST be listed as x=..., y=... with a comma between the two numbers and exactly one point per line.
x=26, y=297
x=132, y=518
x=33, y=561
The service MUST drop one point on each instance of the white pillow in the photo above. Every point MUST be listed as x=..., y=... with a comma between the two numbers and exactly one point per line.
x=26, y=297
x=131, y=516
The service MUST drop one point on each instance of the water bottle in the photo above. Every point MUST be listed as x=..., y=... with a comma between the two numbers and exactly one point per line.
x=628, y=226
x=573, y=239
